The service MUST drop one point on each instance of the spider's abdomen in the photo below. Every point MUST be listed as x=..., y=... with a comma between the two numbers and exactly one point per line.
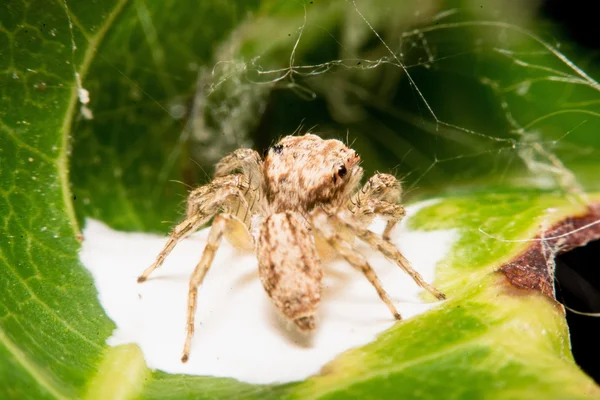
x=289, y=267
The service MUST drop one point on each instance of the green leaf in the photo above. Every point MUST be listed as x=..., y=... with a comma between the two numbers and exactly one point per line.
x=496, y=121
x=144, y=75
x=489, y=340
x=53, y=329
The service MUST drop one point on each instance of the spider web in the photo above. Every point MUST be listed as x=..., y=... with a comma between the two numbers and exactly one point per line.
x=446, y=97
x=524, y=144
x=533, y=131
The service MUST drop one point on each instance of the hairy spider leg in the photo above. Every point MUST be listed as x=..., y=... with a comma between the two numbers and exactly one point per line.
x=250, y=164
x=222, y=224
x=203, y=204
x=320, y=221
x=387, y=249
x=180, y=232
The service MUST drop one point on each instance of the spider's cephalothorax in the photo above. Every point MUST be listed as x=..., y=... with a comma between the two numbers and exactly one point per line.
x=302, y=171
x=306, y=189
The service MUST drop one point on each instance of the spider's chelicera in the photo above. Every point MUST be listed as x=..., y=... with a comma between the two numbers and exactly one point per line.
x=300, y=204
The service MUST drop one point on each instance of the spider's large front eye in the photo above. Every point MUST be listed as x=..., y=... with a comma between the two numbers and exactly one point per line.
x=342, y=171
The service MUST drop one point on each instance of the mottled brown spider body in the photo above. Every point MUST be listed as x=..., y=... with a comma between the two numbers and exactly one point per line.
x=302, y=171
x=305, y=192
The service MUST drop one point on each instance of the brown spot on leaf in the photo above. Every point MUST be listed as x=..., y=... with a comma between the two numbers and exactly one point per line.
x=534, y=268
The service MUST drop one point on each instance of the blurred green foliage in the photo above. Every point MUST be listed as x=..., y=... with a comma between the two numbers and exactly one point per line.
x=457, y=98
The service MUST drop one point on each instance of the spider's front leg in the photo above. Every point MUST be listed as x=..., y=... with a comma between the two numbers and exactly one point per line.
x=381, y=196
x=203, y=203
x=250, y=164
x=345, y=219
x=321, y=222
x=225, y=193
x=246, y=161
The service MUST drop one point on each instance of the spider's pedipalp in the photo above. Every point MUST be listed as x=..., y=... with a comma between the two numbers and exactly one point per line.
x=320, y=221
x=382, y=187
x=392, y=213
x=380, y=195
x=223, y=224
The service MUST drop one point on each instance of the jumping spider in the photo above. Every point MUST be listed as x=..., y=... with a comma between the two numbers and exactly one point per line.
x=299, y=204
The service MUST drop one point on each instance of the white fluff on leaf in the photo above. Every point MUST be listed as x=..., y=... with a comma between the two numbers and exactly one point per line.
x=239, y=333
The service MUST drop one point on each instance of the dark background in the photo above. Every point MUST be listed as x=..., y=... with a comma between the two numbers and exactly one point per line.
x=578, y=271
x=577, y=18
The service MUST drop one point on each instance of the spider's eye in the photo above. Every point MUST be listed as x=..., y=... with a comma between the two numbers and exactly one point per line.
x=342, y=171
